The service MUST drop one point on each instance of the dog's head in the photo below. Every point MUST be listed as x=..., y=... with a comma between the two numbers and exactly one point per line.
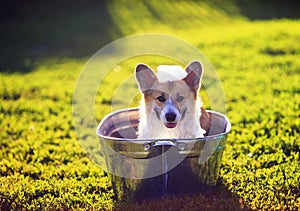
x=169, y=99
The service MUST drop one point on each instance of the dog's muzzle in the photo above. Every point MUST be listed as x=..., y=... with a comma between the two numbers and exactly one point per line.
x=170, y=117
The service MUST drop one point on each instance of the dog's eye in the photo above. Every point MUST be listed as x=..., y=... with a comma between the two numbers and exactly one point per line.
x=161, y=99
x=179, y=98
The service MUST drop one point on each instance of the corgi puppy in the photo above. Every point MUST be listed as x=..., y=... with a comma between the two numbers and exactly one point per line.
x=170, y=105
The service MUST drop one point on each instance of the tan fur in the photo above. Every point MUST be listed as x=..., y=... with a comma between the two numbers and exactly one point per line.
x=205, y=120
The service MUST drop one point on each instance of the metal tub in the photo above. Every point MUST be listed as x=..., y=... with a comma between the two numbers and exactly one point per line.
x=146, y=169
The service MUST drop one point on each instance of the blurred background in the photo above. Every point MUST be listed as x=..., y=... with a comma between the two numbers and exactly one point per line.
x=34, y=30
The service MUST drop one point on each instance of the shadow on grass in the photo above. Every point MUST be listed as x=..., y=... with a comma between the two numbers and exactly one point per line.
x=218, y=198
x=258, y=9
x=33, y=30
x=266, y=9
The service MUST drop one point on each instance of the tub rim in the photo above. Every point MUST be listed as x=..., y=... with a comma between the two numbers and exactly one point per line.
x=226, y=129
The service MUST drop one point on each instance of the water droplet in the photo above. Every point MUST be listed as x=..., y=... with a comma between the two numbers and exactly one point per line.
x=219, y=148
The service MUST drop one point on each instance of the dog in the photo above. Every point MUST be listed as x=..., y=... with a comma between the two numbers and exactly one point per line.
x=170, y=105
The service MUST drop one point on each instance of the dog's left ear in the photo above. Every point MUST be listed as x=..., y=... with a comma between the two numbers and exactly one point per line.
x=145, y=77
x=194, y=75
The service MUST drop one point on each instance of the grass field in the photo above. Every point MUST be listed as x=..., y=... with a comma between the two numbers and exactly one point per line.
x=254, y=47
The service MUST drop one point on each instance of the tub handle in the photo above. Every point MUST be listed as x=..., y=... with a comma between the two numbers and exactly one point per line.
x=164, y=143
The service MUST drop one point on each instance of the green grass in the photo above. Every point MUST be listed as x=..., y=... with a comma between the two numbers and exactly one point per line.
x=42, y=165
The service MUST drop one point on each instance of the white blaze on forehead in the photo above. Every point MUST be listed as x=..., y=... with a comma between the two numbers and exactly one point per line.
x=170, y=73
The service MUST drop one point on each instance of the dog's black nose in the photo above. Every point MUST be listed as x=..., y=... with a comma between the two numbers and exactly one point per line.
x=170, y=117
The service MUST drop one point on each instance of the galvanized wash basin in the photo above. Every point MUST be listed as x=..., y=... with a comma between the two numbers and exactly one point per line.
x=145, y=169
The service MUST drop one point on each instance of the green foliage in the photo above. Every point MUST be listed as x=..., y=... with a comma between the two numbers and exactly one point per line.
x=42, y=165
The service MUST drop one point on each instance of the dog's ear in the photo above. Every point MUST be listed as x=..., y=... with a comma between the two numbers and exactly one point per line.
x=145, y=77
x=194, y=75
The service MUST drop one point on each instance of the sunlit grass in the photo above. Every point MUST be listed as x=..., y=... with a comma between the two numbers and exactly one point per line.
x=256, y=61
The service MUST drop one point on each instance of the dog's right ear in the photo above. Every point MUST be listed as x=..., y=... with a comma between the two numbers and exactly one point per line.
x=145, y=77
x=194, y=77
